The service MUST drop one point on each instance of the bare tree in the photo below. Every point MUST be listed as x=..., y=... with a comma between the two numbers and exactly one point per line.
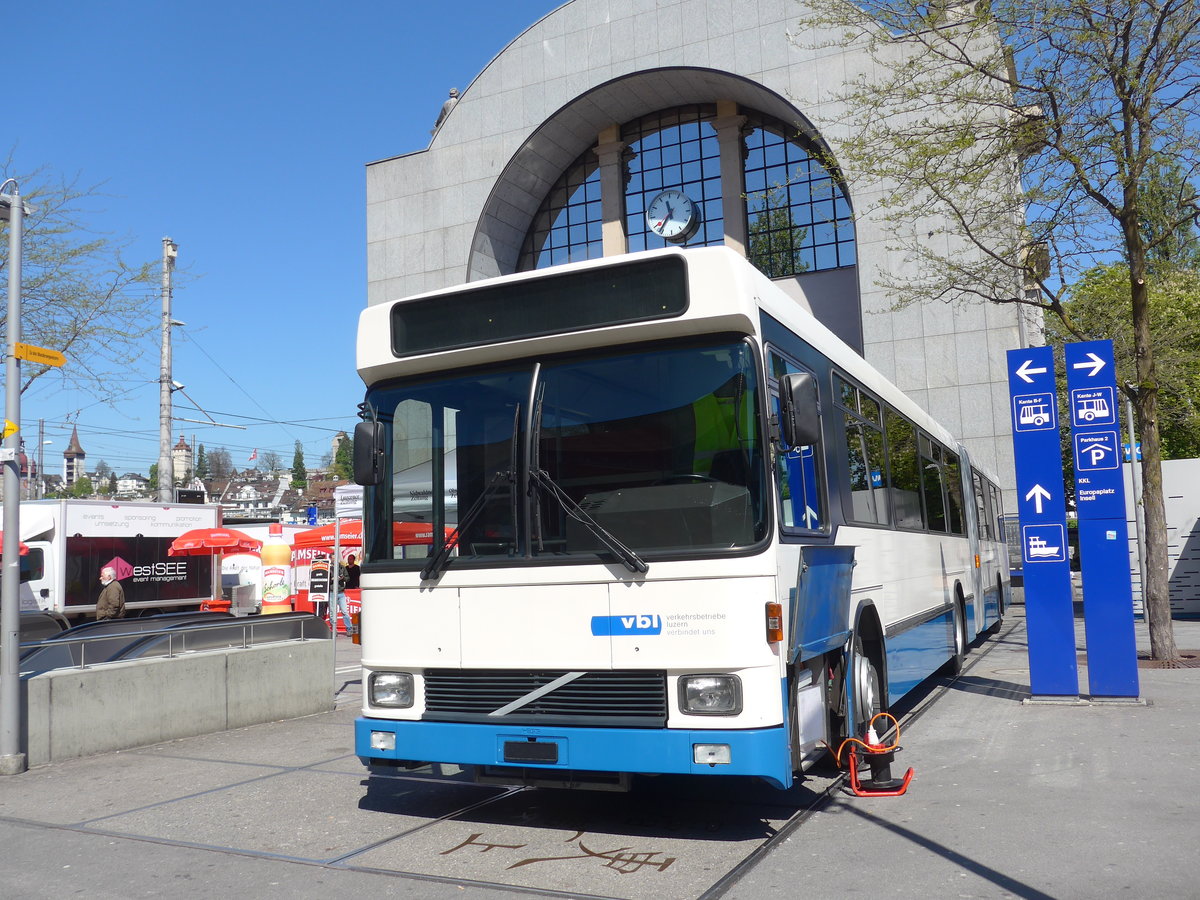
x=270, y=461
x=220, y=464
x=1029, y=125
x=79, y=296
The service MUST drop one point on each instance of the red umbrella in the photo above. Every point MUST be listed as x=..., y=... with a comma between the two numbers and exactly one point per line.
x=211, y=541
x=23, y=548
x=322, y=537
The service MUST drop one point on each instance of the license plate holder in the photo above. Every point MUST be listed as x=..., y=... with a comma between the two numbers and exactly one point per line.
x=541, y=752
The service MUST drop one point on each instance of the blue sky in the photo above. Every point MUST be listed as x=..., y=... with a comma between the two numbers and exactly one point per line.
x=242, y=131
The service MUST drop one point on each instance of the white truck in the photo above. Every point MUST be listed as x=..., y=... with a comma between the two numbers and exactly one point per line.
x=70, y=541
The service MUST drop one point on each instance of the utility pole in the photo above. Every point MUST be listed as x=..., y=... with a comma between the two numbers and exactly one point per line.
x=166, y=467
x=12, y=760
x=1139, y=514
x=41, y=478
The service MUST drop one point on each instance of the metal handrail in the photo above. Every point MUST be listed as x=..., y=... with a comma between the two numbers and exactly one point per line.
x=311, y=628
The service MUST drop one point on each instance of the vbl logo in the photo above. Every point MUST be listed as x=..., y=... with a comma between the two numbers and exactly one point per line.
x=638, y=623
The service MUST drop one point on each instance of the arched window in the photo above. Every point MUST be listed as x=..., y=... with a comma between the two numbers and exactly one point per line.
x=797, y=214
x=675, y=148
x=566, y=227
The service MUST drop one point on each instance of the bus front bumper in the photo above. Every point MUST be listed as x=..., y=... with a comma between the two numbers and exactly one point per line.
x=761, y=752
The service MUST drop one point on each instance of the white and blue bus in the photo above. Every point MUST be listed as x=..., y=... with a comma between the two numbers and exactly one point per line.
x=675, y=526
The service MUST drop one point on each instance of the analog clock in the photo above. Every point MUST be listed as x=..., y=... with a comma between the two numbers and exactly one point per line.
x=673, y=216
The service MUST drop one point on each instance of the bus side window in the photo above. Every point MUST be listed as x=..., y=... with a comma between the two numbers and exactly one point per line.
x=983, y=521
x=863, y=451
x=904, y=470
x=955, y=507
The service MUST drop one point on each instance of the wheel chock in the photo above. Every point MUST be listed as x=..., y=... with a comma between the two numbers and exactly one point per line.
x=881, y=783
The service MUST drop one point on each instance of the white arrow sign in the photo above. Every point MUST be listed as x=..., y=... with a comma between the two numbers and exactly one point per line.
x=1025, y=371
x=1038, y=493
x=1095, y=364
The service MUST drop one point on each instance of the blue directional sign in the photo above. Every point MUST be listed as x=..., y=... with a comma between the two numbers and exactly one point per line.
x=1103, y=535
x=1041, y=506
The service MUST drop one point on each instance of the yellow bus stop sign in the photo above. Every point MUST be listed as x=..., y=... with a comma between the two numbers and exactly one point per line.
x=38, y=354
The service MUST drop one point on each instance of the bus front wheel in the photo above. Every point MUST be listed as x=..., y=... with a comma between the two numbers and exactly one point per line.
x=855, y=693
x=867, y=688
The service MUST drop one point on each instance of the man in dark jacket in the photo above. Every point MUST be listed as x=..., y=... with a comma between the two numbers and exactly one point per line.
x=111, y=604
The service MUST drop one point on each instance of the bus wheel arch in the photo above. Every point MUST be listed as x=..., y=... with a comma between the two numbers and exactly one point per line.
x=995, y=626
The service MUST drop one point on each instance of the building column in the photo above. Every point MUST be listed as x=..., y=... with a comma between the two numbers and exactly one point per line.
x=612, y=191
x=728, y=125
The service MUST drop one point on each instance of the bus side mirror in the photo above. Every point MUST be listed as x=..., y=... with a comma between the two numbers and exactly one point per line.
x=368, y=453
x=799, y=417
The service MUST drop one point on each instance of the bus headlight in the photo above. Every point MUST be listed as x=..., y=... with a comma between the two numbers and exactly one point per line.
x=710, y=695
x=391, y=689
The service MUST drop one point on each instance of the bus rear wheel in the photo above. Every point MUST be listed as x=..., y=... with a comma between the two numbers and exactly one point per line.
x=954, y=665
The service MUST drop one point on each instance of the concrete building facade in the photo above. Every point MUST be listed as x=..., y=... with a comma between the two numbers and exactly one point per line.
x=553, y=151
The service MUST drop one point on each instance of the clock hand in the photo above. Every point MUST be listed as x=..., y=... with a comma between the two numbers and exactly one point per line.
x=670, y=215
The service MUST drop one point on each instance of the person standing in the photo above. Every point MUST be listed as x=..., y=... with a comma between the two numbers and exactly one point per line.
x=111, y=604
x=349, y=582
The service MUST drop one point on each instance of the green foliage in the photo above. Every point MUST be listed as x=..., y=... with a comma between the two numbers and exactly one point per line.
x=201, y=463
x=82, y=487
x=343, y=458
x=1098, y=307
x=299, y=472
x=775, y=239
x=152, y=479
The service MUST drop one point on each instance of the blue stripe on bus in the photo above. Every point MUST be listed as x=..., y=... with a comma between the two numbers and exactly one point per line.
x=615, y=626
x=917, y=653
x=761, y=752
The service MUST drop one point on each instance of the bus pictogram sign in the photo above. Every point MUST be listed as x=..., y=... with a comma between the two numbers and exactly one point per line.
x=1103, y=533
x=1053, y=670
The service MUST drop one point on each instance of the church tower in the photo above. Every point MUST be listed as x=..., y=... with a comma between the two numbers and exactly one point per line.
x=73, y=456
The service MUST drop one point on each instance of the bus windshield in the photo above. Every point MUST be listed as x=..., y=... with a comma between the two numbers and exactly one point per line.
x=645, y=452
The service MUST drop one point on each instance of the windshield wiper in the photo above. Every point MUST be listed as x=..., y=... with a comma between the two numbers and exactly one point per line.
x=438, y=562
x=628, y=558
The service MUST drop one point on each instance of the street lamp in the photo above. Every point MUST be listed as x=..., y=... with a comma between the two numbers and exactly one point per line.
x=12, y=760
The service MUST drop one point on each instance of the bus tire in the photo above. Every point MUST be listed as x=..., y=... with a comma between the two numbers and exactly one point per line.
x=954, y=665
x=867, y=686
x=859, y=685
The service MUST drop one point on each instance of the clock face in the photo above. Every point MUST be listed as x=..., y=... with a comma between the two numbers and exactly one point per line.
x=672, y=216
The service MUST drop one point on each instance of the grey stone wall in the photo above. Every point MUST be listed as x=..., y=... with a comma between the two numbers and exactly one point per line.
x=79, y=712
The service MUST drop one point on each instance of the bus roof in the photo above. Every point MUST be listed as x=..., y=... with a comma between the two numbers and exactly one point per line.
x=726, y=294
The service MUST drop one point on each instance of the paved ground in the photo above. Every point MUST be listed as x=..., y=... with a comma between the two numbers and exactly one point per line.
x=1010, y=799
